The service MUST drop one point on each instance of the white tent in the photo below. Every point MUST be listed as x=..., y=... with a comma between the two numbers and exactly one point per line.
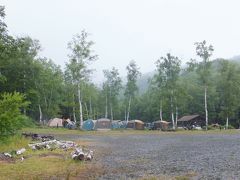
x=56, y=122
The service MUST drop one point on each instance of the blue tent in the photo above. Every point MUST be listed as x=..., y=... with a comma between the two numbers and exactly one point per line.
x=116, y=124
x=89, y=125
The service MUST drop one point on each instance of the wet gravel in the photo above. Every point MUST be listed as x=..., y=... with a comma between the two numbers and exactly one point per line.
x=205, y=156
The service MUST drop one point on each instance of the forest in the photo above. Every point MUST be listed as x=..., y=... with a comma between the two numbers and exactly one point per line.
x=42, y=90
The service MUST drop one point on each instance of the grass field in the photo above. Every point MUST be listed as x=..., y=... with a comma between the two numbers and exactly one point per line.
x=55, y=131
x=40, y=164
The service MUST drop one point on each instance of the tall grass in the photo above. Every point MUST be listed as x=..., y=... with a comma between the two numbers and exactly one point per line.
x=13, y=143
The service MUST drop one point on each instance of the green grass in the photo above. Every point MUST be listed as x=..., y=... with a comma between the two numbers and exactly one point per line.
x=13, y=143
x=40, y=164
x=37, y=167
x=62, y=131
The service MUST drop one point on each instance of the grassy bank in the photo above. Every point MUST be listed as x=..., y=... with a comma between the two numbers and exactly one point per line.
x=40, y=164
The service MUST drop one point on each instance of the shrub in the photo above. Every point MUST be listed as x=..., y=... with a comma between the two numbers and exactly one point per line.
x=11, y=118
x=231, y=127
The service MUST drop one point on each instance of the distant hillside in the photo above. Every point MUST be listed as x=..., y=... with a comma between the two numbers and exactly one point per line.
x=143, y=81
x=235, y=58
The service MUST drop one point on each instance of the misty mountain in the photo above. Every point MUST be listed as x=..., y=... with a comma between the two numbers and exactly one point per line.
x=143, y=81
x=235, y=58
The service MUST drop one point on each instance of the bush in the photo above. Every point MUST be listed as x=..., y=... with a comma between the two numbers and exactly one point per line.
x=213, y=127
x=231, y=127
x=11, y=118
x=210, y=127
x=28, y=122
x=12, y=143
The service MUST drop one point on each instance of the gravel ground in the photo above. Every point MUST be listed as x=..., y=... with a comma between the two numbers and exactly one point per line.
x=136, y=156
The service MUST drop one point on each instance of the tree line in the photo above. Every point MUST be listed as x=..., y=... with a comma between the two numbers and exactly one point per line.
x=206, y=87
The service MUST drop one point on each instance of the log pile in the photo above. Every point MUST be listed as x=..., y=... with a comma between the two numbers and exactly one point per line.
x=53, y=144
x=49, y=143
x=37, y=137
x=77, y=154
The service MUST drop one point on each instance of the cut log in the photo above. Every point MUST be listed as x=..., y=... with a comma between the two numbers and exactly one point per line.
x=81, y=156
x=78, y=154
x=89, y=155
x=8, y=155
x=20, y=151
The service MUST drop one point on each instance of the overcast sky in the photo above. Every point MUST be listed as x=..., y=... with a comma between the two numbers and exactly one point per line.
x=122, y=30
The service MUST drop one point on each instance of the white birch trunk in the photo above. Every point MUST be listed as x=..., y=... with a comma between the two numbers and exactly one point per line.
x=106, y=108
x=172, y=114
x=129, y=106
x=110, y=100
x=74, y=110
x=125, y=115
x=111, y=111
x=111, y=114
x=74, y=115
x=80, y=107
x=176, y=117
x=206, y=111
x=227, y=123
x=173, y=120
x=160, y=111
x=40, y=114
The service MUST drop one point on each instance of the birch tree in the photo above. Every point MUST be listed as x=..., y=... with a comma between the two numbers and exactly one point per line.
x=203, y=69
x=168, y=74
x=70, y=93
x=159, y=82
x=48, y=82
x=105, y=90
x=91, y=93
x=79, y=59
x=113, y=87
x=131, y=87
x=228, y=88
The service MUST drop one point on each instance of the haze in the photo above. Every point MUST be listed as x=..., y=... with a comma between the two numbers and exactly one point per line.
x=142, y=30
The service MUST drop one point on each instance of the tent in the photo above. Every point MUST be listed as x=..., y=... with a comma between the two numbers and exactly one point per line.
x=136, y=124
x=67, y=123
x=56, y=122
x=103, y=123
x=116, y=124
x=89, y=125
x=161, y=125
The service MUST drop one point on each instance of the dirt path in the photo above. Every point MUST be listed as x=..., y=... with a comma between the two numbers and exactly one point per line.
x=193, y=156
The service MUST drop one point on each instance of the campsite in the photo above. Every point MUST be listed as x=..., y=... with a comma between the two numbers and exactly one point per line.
x=128, y=90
